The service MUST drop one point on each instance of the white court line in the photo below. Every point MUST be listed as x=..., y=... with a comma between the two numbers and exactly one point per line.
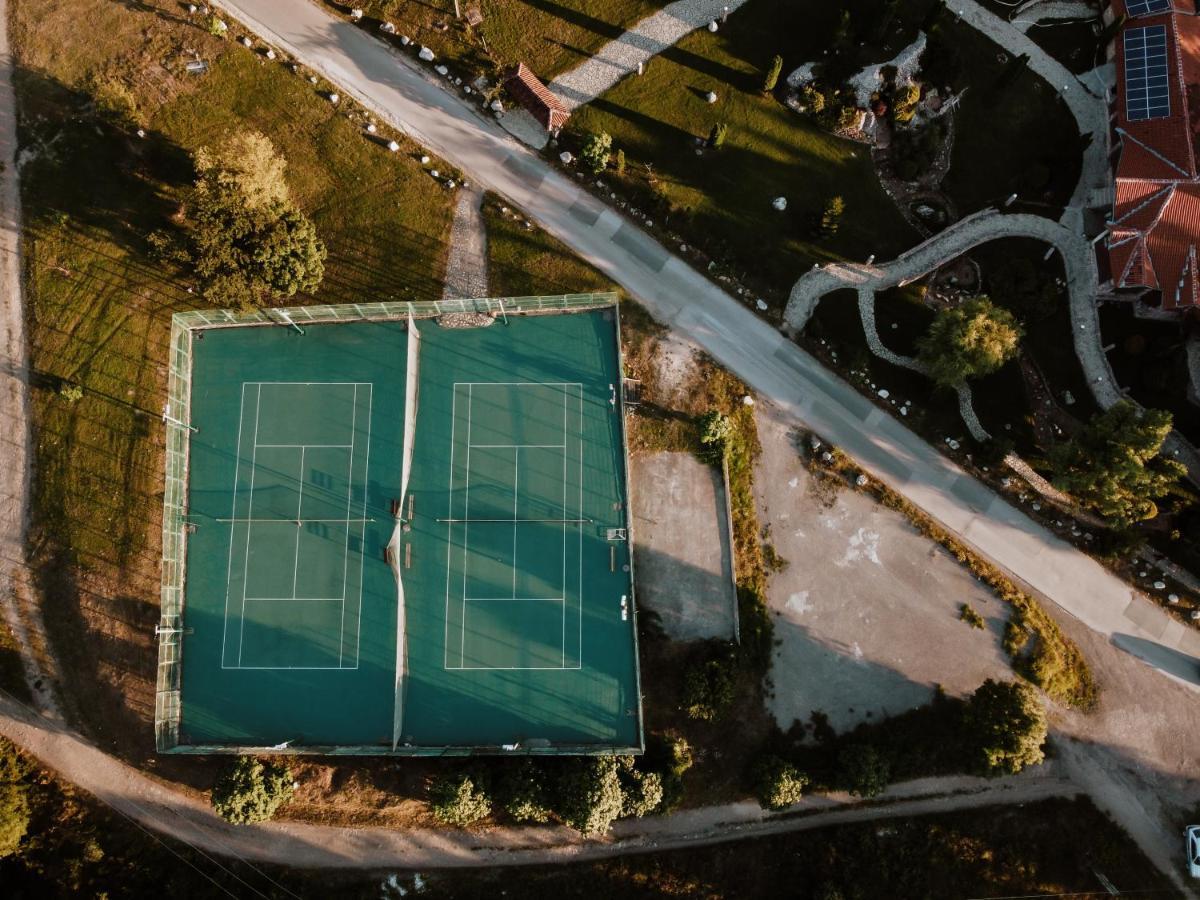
x=521, y=599
x=310, y=446
x=450, y=524
x=579, y=596
x=346, y=545
x=516, y=494
x=462, y=646
x=564, y=534
x=520, y=383
x=299, y=510
x=353, y=668
x=309, y=383
x=290, y=599
x=233, y=521
x=362, y=536
x=250, y=514
x=518, y=446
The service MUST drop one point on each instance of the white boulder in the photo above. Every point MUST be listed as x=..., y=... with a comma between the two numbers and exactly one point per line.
x=356, y=14
x=425, y=54
x=387, y=27
x=393, y=146
x=441, y=70
x=780, y=203
x=565, y=157
x=711, y=97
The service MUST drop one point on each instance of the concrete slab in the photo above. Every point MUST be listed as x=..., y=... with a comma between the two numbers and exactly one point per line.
x=866, y=611
x=682, y=559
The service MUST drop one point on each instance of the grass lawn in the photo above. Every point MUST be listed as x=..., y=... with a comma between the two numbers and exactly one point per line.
x=549, y=36
x=99, y=306
x=721, y=199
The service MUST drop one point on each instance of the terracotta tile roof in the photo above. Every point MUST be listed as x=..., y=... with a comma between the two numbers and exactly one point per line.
x=535, y=97
x=1152, y=241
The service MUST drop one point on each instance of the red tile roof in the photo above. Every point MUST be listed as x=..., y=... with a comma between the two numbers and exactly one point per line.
x=1155, y=229
x=536, y=97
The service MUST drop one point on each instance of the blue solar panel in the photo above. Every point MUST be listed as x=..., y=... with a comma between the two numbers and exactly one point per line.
x=1147, y=88
x=1142, y=7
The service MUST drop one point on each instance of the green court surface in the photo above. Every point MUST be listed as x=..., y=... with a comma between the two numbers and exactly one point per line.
x=511, y=624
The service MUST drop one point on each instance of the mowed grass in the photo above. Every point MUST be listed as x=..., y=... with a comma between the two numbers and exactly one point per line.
x=722, y=197
x=549, y=36
x=99, y=305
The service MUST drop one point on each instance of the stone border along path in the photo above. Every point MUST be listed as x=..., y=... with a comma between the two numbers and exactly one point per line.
x=988, y=225
x=648, y=38
x=467, y=260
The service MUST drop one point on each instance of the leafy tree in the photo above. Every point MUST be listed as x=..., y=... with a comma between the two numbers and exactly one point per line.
x=523, y=793
x=1114, y=464
x=708, y=686
x=245, y=253
x=1006, y=722
x=831, y=218
x=778, y=783
x=772, y=77
x=251, y=791
x=596, y=150
x=718, y=134
x=968, y=341
x=863, y=770
x=457, y=799
x=589, y=796
x=15, y=811
x=642, y=791
x=249, y=164
x=904, y=102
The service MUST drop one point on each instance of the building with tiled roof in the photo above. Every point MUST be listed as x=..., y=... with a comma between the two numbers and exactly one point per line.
x=1154, y=230
x=528, y=90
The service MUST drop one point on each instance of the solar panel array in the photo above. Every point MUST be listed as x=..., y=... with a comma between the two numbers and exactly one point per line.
x=1142, y=7
x=1147, y=88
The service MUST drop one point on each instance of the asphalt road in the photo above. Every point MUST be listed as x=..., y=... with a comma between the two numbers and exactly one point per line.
x=779, y=371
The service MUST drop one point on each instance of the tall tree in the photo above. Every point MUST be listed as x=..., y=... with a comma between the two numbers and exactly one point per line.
x=1007, y=724
x=968, y=341
x=771, y=78
x=1114, y=465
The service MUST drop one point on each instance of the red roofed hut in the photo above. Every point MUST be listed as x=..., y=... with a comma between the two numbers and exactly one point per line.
x=527, y=90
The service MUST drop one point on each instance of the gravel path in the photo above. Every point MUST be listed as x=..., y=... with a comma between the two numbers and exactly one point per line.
x=162, y=808
x=1047, y=10
x=648, y=38
x=467, y=263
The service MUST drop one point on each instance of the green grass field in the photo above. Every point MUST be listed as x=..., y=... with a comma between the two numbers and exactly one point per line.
x=100, y=306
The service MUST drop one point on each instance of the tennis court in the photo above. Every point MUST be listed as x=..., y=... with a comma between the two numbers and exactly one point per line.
x=407, y=538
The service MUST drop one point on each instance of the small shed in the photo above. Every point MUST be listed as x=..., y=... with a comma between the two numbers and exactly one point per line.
x=526, y=89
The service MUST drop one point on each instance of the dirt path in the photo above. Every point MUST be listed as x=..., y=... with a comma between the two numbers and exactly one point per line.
x=159, y=807
x=21, y=616
x=467, y=266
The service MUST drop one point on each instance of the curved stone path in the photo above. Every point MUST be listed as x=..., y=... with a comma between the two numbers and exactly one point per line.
x=1079, y=263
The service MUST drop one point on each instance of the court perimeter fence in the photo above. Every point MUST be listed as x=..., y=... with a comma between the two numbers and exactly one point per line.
x=176, y=416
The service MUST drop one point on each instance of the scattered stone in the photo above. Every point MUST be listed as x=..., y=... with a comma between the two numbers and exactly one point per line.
x=747, y=400
x=371, y=129
x=435, y=173
x=884, y=393
x=861, y=481
x=356, y=14
x=246, y=42
x=780, y=203
x=712, y=26
x=141, y=132
x=1172, y=598
x=827, y=457
x=312, y=79
x=1159, y=585
x=683, y=248
x=904, y=410
x=387, y=27
x=1068, y=398
x=405, y=40
x=815, y=443
x=393, y=146
x=270, y=54
x=497, y=106
x=334, y=98
x=441, y=70
x=566, y=158
x=1195, y=616
x=450, y=183
x=761, y=303
x=1036, y=506
x=711, y=97
x=425, y=54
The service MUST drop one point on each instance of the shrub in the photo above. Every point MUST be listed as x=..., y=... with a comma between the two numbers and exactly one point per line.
x=1007, y=724
x=779, y=784
x=863, y=770
x=718, y=134
x=708, y=686
x=15, y=813
x=595, y=151
x=904, y=103
x=523, y=793
x=715, y=431
x=217, y=26
x=967, y=613
x=620, y=162
x=251, y=791
x=72, y=393
x=588, y=794
x=113, y=99
x=772, y=76
x=457, y=800
x=642, y=792
x=812, y=99
x=831, y=217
